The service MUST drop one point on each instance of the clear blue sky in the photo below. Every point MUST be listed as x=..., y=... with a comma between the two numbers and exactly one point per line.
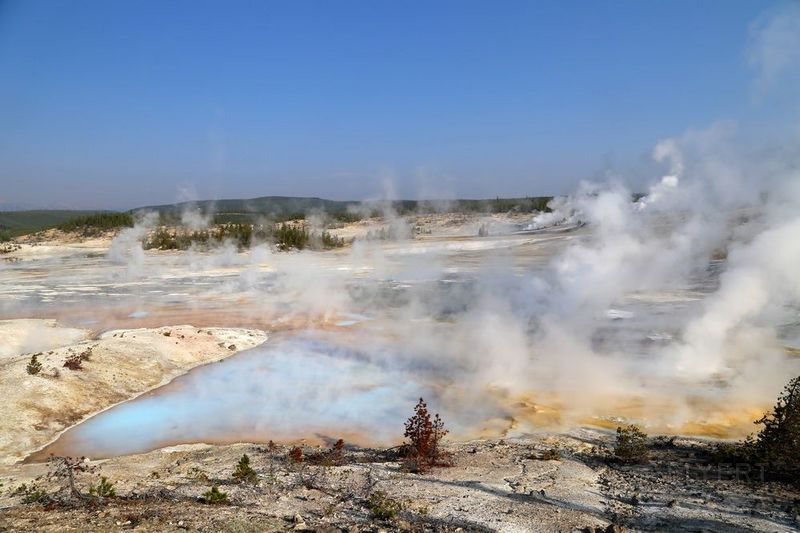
x=118, y=104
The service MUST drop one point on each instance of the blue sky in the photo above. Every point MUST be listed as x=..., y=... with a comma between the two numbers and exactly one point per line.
x=119, y=104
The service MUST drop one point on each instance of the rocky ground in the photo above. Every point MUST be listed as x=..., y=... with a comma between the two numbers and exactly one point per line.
x=494, y=485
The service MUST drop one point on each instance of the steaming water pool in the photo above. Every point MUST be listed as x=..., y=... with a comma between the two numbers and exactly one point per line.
x=287, y=389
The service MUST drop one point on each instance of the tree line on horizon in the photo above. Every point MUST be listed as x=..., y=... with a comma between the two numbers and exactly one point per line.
x=259, y=211
x=283, y=236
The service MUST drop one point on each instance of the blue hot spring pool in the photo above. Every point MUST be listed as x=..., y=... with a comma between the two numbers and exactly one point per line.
x=300, y=387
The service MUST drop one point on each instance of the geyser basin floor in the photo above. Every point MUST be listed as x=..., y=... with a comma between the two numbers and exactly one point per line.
x=506, y=333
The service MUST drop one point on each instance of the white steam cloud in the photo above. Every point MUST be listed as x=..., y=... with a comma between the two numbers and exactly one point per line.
x=775, y=44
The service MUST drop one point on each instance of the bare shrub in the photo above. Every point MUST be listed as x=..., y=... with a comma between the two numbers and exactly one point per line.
x=271, y=450
x=214, y=496
x=66, y=469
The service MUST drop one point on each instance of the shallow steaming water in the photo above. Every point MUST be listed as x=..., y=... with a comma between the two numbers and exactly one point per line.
x=292, y=388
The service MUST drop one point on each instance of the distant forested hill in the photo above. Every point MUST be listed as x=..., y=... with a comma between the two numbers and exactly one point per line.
x=288, y=207
x=279, y=207
x=274, y=208
x=14, y=223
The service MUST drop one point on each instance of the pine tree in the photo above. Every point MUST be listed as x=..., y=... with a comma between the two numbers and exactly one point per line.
x=631, y=444
x=34, y=366
x=778, y=443
x=425, y=435
x=244, y=472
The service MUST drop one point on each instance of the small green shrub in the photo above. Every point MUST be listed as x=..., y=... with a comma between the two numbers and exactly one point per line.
x=631, y=444
x=31, y=494
x=104, y=489
x=382, y=506
x=34, y=366
x=215, y=496
x=244, y=472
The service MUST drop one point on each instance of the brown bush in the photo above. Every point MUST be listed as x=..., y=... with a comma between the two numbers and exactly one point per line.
x=74, y=362
x=296, y=455
x=331, y=457
x=425, y=437
x=337, y=452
